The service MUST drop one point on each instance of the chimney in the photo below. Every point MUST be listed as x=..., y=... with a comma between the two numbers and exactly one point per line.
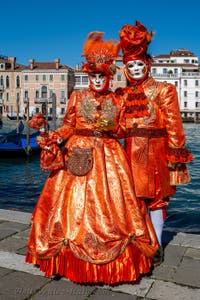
x=12, y=60
x=31, y=63
x=57, y=61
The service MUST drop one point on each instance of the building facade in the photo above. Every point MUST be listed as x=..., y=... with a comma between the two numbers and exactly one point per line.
x=34, y=88
x=181, y=68
x=47, y=86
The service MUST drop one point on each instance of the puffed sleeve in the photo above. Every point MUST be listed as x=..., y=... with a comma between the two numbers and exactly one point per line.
x=69, y=122
x=172, y=117
x=177, y=154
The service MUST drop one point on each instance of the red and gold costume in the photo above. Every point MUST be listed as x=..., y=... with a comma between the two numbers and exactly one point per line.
x=91, y=228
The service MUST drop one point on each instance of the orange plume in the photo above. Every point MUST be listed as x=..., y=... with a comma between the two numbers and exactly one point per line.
x=99, y=54
x=134, y=41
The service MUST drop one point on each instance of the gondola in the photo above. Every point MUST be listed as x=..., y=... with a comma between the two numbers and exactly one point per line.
x=17, y=144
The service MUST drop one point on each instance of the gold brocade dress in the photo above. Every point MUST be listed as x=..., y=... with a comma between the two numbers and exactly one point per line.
x=90, y=228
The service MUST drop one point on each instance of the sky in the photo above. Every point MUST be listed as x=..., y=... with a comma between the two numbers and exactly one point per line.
x=45, y=30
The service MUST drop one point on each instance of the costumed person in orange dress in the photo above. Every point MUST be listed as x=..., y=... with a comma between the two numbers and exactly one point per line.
x=154, y=133
x=87, y=225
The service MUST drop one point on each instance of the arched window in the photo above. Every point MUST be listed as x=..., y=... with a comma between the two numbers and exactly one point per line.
x=44, y=92
x=17, y=81
x=7, y=81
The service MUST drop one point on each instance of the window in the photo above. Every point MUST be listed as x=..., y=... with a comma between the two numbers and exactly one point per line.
x=119, y=63
x=17, y=81
x=50, y=93
x=185, y=93
x=26, y=77
x=196, y=94
x=185, y=82
x=1, y=80
x=119, y=77
x=176, y=71
x=51, y=77
x=62, y=77
x=196, y=82
x=44, y=78
x=78, y=79
x=37, y=94
x=62, y=94
x=154, y=71
x=17, y=97
x=7, y=81
x=26, y=94
x=62, y=111
x=44, y=92
x=85, y=80
x=185, y=104
x=176, y=83
x=197, y=104
x=36, y=77
x=164, y=71
x=7, y=96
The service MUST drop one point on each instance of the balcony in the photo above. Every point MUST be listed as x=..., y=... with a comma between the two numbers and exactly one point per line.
x=25, y=100
x=63, y=101
x=43, y=100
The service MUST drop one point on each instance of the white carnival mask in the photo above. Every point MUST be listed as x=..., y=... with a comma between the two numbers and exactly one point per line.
x=97, y=80
x=136, y=68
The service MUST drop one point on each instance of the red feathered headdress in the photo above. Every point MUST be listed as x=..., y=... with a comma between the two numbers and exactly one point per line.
x=134, y=41
x=99, y=54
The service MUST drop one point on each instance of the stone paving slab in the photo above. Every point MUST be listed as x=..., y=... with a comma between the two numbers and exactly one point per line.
x=140, y=289
x=4, y=271
x=12, y=244
x=173, y=255
x=17, y=262
x=193, y=253
x=163, y=290
x=62, y=290
x=186, y=240
x=15, y=216
x=9, y=228
x=20, y=285
x=188, y=273
x=108, y=295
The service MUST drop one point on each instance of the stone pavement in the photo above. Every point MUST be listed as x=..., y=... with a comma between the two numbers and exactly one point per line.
x=177, y=278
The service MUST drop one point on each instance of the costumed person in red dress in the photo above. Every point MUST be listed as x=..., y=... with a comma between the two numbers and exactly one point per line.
x=154, y=133
x=87, y=225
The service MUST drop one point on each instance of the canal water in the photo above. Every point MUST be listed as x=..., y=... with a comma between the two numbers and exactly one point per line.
x=21, y=182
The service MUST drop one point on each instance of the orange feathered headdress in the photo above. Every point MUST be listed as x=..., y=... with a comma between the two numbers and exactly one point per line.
x=99, y=54
x=134, y=41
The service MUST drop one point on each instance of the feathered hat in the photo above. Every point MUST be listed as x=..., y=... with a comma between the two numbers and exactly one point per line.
x=99, y=54
x=134, y=41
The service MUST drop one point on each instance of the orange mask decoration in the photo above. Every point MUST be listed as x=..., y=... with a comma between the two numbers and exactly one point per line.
x=100, y=55
x=134, y=41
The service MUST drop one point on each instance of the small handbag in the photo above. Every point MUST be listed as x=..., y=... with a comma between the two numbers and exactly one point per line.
x=80, y=162
x=52, y=159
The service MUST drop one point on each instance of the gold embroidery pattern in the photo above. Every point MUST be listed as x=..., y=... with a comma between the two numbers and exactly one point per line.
x=87, y=109
x=108, y=114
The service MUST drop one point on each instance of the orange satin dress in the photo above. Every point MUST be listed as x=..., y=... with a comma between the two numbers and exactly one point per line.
x=91, y=228
x=152, y=110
